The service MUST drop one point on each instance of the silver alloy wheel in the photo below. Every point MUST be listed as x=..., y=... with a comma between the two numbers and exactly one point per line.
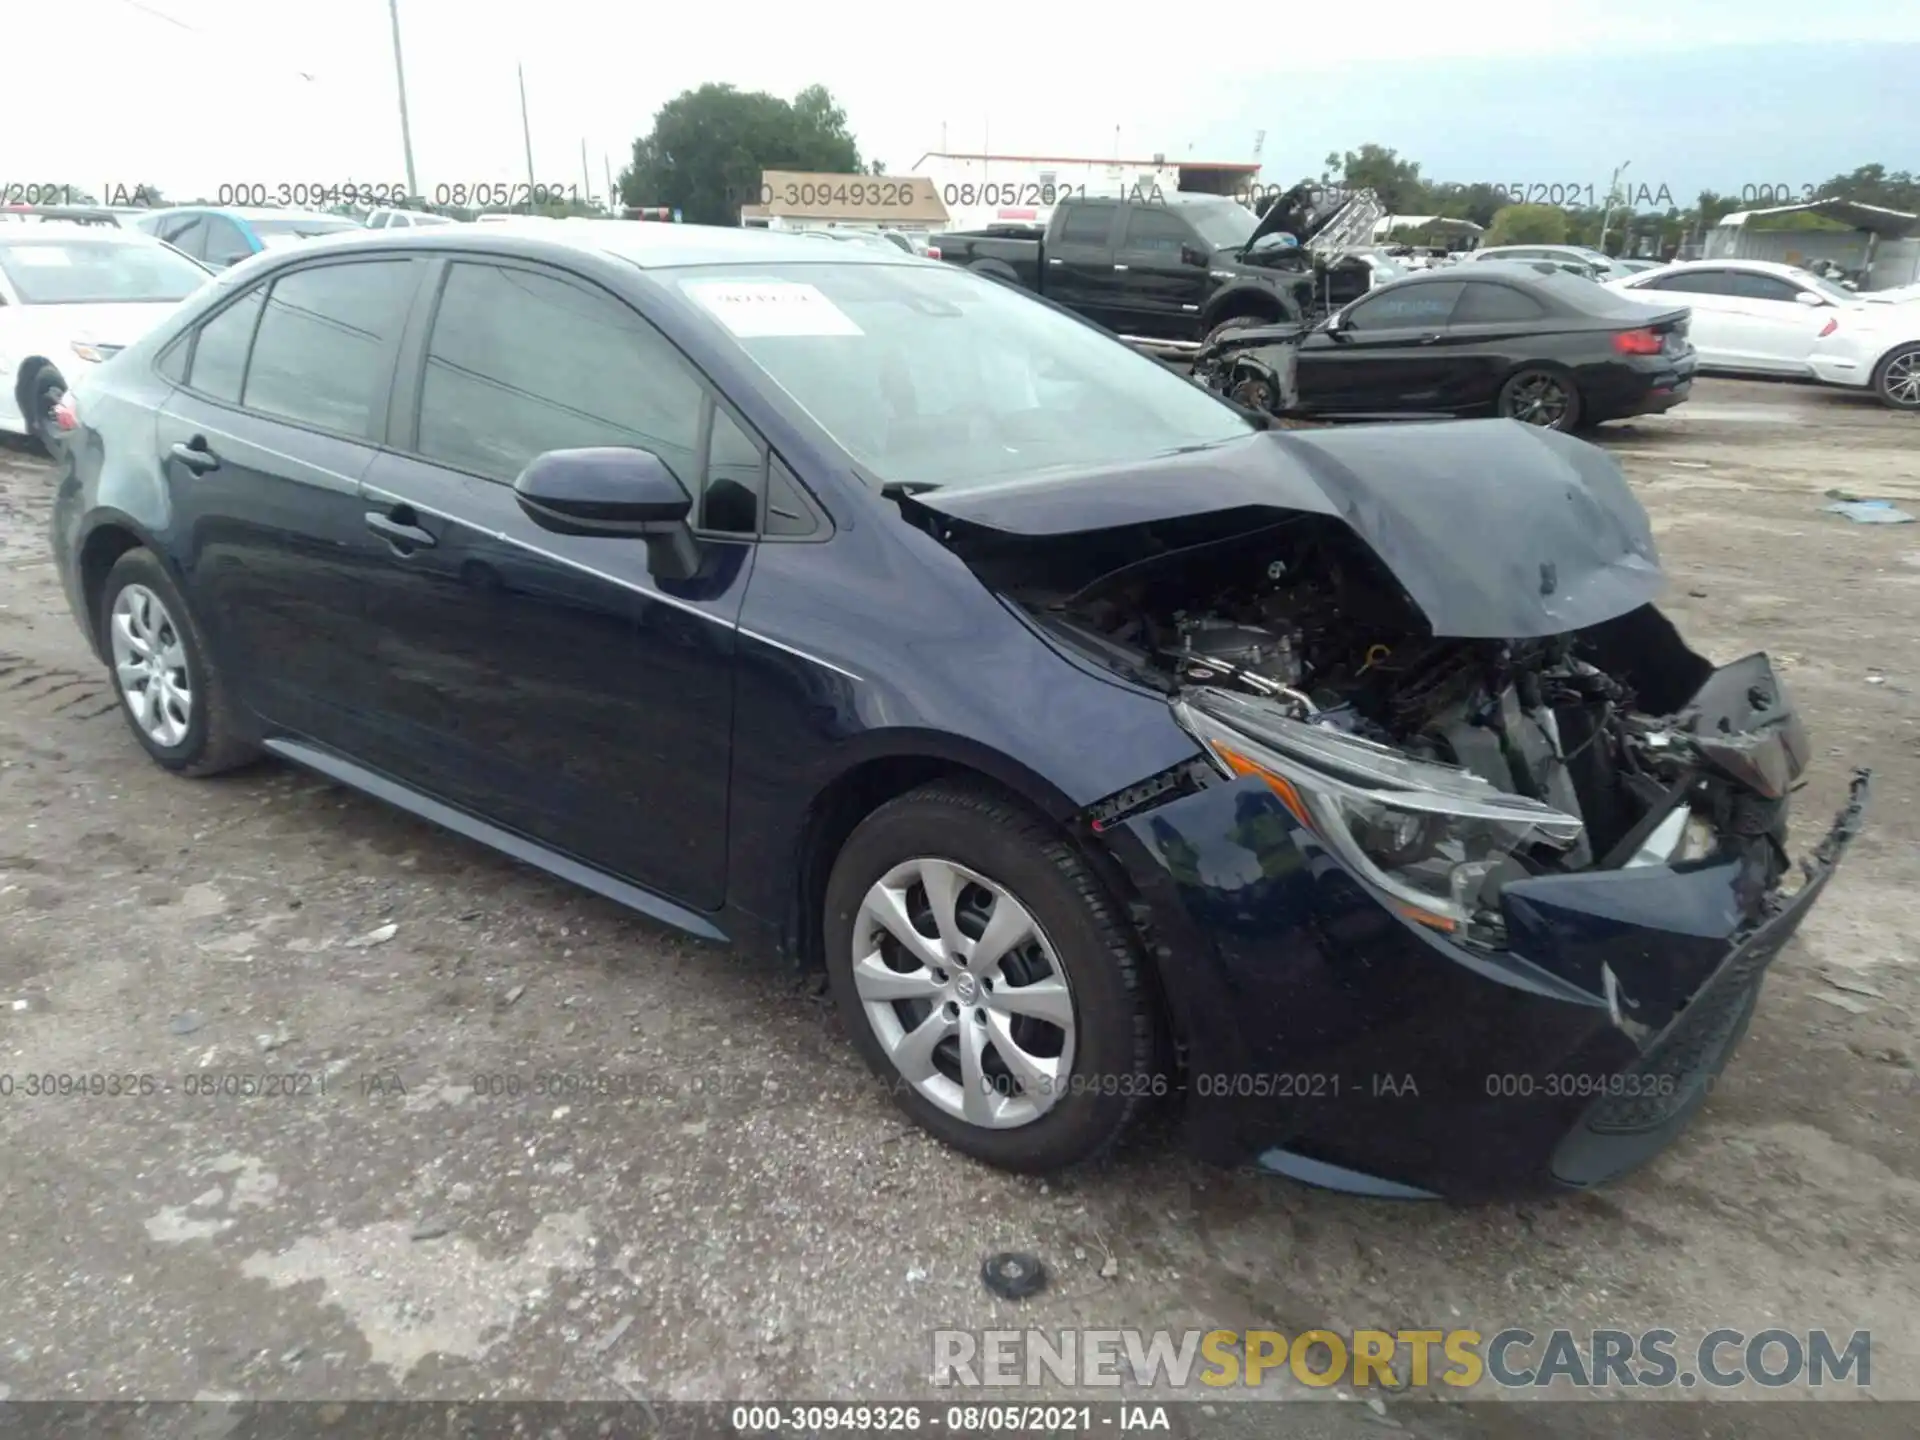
x=965, y=993
x=151, y=665
x=1901, y=382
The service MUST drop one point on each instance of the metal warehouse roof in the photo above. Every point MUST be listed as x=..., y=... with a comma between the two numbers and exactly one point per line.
x=1893, y=224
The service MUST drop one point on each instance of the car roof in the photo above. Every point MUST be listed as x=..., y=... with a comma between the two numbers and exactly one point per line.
x=242, y=212
x=649, y=244
x=58, y=233
x=1765, y=267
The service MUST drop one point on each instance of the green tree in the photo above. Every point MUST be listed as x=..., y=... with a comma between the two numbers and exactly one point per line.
x=1374, y=167
x=1872, y=185
x=708, y=146
x=1528, y=225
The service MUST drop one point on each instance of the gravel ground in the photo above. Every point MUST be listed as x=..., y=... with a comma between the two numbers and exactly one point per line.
x=739, y=1214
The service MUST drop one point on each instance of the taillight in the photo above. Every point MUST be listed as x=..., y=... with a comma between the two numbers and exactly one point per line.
x=1828, y=328
x=1637, y=342
x=933, y=252
x=66, y=412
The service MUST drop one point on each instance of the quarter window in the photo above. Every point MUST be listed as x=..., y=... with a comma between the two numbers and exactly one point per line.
x=324, y=351
x=1492, y=304
x=220, y=351
x=735, y=479
x=520, y=363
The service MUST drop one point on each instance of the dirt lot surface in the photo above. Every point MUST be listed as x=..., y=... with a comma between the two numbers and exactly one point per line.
x=747, y=1218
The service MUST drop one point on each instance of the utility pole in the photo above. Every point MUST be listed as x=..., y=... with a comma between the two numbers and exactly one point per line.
x=526, y=134
x=586, y=178
x=1606, y=215
x=613, y=195
x=400, y=76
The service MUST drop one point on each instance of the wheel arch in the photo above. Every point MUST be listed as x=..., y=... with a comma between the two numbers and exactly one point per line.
x=1886, y=358
x=106, y=541
x=1252, y=301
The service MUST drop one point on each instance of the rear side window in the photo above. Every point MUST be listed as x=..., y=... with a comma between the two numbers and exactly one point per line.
x=1087, y=225
x=1692, y=282
x=220, y=352
x=323, y=356
x=189, y=235
x=1490, y=304
x=521, y=362
x=1751, y=285
x=377, y=220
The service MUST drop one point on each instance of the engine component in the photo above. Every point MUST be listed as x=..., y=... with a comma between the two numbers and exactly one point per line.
x=1206, y=643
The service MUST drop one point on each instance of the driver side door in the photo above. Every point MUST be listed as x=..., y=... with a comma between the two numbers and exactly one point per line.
x=1387, y=353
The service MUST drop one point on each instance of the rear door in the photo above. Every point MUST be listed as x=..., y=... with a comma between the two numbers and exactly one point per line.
x=1716, y=328
x=1387, y=355
x=546, y=683
x=1076, y=264
x=1775, y=329
x=283, y=398
x=1161, y=277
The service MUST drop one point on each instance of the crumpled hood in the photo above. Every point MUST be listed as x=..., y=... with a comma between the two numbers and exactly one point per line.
x=1496, y=530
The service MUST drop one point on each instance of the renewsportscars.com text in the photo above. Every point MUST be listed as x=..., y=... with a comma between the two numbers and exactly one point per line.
x=1514, y=1358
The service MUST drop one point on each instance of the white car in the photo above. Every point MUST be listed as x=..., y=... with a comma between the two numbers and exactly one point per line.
x=404, y=219
x=1601, y=266
x=1759, y=317
x=71, y=297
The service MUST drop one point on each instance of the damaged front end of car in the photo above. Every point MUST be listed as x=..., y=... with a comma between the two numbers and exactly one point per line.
x=1255, y=366
x=1470, y=812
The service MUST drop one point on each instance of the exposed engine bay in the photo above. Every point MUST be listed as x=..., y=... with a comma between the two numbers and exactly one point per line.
x=1661, y=758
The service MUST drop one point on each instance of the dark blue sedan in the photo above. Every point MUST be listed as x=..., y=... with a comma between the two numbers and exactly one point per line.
x=1100, y=743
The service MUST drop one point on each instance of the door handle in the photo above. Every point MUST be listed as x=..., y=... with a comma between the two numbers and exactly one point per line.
x=1118, y=266
x=1429, y=339
x=195, y=455
x=403, y=537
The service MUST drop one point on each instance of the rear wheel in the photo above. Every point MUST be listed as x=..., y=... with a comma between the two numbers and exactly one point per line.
x=989, y=980
x=173, y=695
x=1897, y=379
x=1545, y=398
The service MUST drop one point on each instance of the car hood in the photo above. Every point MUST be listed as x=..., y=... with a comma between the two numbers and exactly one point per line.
x=1496, y=530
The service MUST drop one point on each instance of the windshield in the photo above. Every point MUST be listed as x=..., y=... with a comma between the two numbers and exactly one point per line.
x=98, y=272
x=1223, y=224
x=935, y=376
x=303, y=226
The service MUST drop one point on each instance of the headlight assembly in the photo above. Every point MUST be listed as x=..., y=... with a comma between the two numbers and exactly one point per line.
x=1431, y=836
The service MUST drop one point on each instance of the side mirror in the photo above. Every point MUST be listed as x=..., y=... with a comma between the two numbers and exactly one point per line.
x=613, y=491
x=1807, y=297
x=1331, y=323
x=1194, y=255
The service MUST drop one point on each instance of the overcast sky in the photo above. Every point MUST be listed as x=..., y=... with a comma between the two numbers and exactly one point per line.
x=218, y=92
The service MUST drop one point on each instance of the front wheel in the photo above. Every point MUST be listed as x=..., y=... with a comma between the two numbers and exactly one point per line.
x=989, y=979
x=1545, y=398
x=1897, y=379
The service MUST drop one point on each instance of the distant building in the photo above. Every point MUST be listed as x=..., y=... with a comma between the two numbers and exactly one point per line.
x=983, y=190
x=792, y=200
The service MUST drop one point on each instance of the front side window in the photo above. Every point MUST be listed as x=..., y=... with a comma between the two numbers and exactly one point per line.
x=934, y=376
x=735, y=479
x=1406, y=306
x=323, y=353
x=220, y=352
x=522, y=362
x=1492, y=304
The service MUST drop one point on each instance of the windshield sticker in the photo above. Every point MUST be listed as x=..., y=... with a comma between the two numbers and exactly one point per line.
x=41, y=255
x=751, y=310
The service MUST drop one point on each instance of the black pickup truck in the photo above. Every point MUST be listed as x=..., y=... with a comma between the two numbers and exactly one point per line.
x=1164, y=272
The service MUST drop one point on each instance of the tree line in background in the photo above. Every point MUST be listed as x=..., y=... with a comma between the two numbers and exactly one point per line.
x=1643, y=215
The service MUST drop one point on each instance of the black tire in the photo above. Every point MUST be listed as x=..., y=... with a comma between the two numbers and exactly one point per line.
x=1113, y=1068
x=1526, y=395
x=1234, y=322
x=214, y=741
x=44, y=387
x=1896, y=379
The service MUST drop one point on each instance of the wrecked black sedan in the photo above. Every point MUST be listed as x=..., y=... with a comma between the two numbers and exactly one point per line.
x=1101, y=743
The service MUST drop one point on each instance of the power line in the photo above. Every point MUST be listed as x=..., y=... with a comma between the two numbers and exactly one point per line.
x=191, y=29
